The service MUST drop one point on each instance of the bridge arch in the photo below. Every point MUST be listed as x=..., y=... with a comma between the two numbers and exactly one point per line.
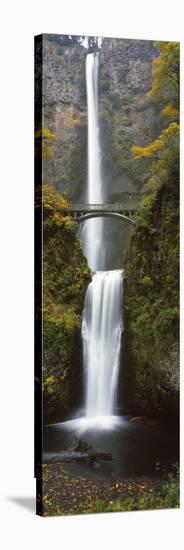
x=92, y=215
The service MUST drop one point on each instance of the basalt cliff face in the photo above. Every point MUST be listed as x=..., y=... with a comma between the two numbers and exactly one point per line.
x=126, y=113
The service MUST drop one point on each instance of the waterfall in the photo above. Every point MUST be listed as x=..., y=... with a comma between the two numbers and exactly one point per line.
x=102, y=315
x=101, y=332
x=92, y=230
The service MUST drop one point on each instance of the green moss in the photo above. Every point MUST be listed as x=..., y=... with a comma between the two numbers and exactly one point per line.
x=151, y=300
x=65, y=279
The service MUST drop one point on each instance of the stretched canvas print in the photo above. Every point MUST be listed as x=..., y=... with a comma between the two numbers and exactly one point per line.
x=106, y=274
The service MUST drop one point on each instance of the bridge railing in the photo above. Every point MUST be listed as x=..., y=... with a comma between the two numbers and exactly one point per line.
x=111, y=207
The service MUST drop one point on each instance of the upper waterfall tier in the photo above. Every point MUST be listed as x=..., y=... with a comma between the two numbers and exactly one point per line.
x=95, y=192
x=92, y=231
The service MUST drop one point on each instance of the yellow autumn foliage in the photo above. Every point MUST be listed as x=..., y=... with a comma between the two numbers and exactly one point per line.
x=47, y=139
x=158, y=144
x=165, y=68
x=49, y=380
x=170, y=112
x=165, y=88
x=52, y=200
x=45, y=133
x=64, y=316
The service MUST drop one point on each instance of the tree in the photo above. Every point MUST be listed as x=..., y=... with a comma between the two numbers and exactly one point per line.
x=47, y=138
x=166, y=72
x=165, y=89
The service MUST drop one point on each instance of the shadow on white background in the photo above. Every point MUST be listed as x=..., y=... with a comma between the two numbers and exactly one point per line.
x=28, y=503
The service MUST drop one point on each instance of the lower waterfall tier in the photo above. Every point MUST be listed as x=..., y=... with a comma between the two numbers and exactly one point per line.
x=101, y=332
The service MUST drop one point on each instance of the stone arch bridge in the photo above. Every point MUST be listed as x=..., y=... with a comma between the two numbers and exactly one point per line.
x=124, y=210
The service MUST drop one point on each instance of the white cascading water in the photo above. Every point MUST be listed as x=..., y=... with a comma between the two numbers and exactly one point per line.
x=102, y=316
x=92, y=230
x=101, y=331
x=102, y=322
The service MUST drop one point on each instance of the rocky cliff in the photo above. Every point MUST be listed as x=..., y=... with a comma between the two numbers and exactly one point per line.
x=66, y=277
x=151, y=364
x=126, y=113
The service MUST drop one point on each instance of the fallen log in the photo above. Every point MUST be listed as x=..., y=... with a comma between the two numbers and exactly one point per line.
x=77, y=455
x=80, y=450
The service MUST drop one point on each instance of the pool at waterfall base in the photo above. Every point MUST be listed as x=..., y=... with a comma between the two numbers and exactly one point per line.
x=139, y=446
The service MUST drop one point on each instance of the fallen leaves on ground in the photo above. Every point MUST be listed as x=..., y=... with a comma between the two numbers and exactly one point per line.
x=63, y=494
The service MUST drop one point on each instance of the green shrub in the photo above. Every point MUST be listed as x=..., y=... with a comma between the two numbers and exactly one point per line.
x=166, y=496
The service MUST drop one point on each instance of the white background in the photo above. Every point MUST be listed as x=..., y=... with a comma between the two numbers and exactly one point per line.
x=20, y=21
